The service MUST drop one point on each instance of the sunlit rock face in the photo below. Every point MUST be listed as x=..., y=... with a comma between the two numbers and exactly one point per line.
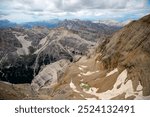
x=129, y=48
x=50, y=74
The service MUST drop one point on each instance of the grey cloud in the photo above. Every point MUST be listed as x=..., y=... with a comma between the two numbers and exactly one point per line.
x=74, y=5
x=70, y=7
x=26, y=1
x=3, y=14
x=102, y=4
x=37, y=10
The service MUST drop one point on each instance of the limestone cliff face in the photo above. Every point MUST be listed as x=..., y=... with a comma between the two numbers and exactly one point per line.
x=50, y=75
x=130, y=48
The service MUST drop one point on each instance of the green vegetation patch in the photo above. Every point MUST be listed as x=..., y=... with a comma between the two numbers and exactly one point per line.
x=85, y=86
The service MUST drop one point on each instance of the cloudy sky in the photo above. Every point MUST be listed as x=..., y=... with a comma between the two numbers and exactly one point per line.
x=34, y=10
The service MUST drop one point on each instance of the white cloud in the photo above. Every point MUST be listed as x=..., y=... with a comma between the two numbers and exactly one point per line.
x=42, y=9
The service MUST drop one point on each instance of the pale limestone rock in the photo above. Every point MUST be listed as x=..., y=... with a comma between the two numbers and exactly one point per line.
x=50, y=74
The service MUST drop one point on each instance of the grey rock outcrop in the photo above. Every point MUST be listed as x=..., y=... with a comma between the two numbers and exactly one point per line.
x=88, y=30
x=50, y=74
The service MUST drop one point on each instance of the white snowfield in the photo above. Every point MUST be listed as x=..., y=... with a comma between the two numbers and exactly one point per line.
x=89, y=73
x=112, y=72
x=139, y=87
x=140, y=93
x=73, y=87
x=121, y=86
x=25, y=44
x=124, y=87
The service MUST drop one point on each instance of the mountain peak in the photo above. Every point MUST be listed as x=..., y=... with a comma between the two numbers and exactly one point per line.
x=146, y=18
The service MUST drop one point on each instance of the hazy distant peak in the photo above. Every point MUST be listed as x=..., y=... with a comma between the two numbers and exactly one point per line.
x=112, y=22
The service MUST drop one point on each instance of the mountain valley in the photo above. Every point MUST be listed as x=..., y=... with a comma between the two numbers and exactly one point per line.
x=76, y=60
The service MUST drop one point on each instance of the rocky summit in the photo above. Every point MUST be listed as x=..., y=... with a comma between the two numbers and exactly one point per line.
x=76, y=60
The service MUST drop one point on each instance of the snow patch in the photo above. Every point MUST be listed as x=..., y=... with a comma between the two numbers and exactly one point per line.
x=73, y=87
x=98, y=61
x=112, y=72
x=82, y=95
x=128, y=89
x=89, y=73
x=80, y=68
x=140, y=93
x=79, y=75
x=141, y=97
x=125, y=87
x=139, y=87
x=81, y=80
x=83, y=66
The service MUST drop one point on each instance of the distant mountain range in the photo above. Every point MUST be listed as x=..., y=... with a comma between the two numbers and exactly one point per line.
x=7, y=24
x=53, y=23
x=112, y=22
x=49, y=24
